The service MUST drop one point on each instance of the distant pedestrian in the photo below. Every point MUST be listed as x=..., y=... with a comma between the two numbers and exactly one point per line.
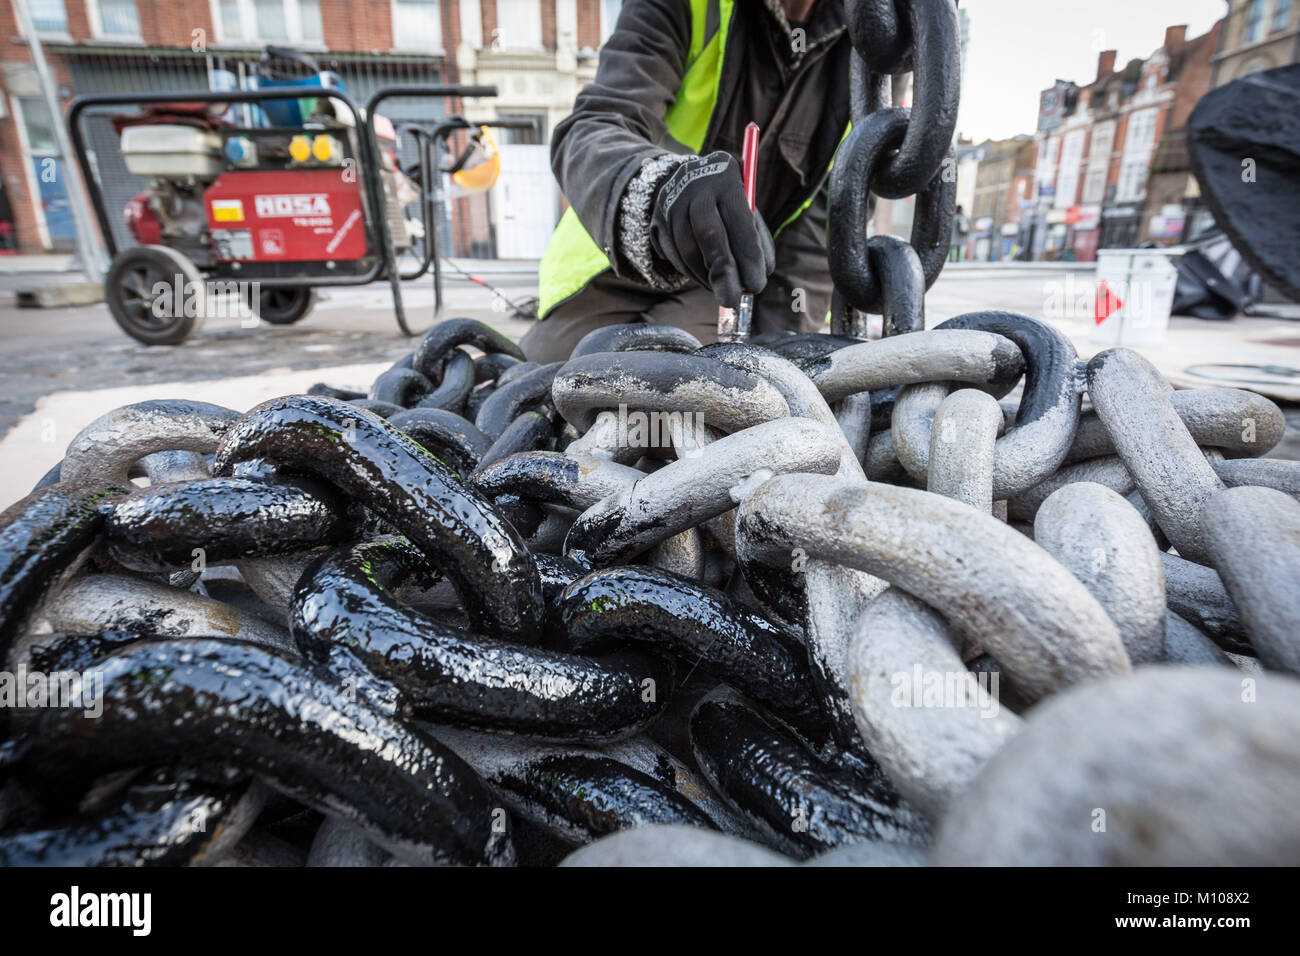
x=959, y=230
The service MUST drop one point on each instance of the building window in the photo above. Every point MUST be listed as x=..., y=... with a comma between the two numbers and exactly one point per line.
x=609, y=11
x=1103, y=140
x=1132, y=181
x=230, y=27
x=535, y=136
x=49, y=16
x=310, y=26
x=1254, y=21
x=519, y=25
x=1094, y=187
x=416, y=25
x=114, y=18
x=269, y=21
x=1138, y=143
x=1141, y=134
x=1281, y=15
x=37, y=126
x=1047, y=161
x=1067, y=180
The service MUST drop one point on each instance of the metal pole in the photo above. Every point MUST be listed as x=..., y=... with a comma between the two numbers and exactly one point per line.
x=89, y=253
x=433, y=197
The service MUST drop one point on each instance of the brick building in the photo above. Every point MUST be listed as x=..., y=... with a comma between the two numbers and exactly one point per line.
x=1001, y=183
x=1257, y=35
x=1172, y=211
x=538, y=52
x=1097, y=146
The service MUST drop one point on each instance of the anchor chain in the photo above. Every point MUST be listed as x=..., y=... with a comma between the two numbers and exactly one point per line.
x=814, y=598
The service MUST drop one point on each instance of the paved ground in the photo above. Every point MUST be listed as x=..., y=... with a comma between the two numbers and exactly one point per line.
x=49, y=350
x=77, y=364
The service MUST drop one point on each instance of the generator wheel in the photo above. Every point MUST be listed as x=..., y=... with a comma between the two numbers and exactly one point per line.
x=285, y=305
x=129, y=290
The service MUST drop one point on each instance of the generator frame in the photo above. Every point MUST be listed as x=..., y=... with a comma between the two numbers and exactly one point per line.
x=383, y=262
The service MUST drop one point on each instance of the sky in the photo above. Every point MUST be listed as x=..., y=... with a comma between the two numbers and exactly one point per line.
x=1020, y=47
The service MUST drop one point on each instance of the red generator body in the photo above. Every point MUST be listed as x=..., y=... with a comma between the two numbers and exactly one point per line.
x=300, y=215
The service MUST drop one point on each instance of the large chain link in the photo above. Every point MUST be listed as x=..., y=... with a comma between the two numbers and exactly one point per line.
x=537, y=568
x=894, y=153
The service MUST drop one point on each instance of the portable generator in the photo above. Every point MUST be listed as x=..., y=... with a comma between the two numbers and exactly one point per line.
x=231, y=200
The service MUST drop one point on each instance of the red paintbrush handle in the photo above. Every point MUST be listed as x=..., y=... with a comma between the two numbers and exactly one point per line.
x=749, y=161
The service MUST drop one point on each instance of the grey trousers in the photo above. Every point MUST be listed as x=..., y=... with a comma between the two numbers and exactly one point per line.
x=610, y=300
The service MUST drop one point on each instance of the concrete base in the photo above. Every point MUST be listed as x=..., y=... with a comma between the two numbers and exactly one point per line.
x=59, y=296
x=47, y=262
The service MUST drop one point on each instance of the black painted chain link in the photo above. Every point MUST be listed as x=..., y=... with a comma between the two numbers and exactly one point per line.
x=887, y=154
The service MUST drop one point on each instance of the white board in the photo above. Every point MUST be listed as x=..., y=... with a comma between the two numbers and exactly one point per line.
x=524, y=202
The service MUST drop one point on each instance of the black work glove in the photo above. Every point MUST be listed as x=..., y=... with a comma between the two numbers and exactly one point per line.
x=701, y=224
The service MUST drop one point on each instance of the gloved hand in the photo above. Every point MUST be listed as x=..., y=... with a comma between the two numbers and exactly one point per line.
x=701, y=224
